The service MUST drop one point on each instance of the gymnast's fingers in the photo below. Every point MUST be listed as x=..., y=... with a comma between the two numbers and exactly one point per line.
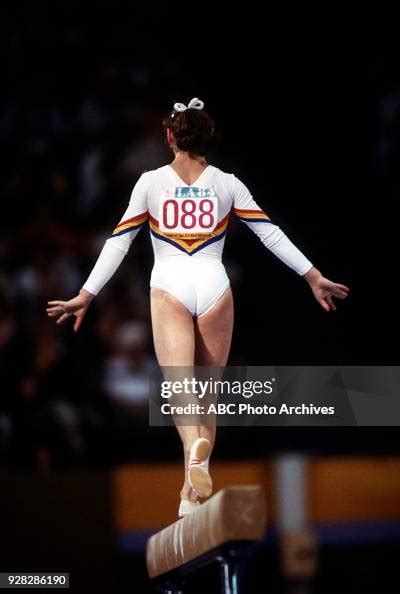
x=78, y=323
x=62, y=319
x=324, y=304
x=331, y=303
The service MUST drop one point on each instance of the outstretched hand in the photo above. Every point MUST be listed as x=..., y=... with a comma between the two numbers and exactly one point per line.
x=78, y=306
x=324, y=289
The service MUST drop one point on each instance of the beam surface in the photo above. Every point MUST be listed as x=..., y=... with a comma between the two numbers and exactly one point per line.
x=234, y=513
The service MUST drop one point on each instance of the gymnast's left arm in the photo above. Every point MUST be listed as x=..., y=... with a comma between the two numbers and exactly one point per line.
x=248, y=211
x=114, y=251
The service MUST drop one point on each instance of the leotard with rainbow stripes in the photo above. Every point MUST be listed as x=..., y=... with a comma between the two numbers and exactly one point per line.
x=188, y=224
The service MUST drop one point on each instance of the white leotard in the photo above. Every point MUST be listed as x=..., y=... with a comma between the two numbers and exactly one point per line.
x=188, y=225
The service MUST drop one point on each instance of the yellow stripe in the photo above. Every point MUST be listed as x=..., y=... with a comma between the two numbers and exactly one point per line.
x=123, y=226
x=242, y=214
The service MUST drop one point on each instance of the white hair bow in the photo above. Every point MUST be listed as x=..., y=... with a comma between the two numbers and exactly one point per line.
x=194, y=103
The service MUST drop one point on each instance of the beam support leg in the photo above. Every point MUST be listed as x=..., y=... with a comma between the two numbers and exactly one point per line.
x=229, y=576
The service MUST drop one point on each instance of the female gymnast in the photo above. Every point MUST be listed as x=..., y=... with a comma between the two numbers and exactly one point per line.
x=188, y=204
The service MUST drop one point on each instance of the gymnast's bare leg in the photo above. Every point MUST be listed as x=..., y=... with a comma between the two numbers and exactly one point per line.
x=181, y=340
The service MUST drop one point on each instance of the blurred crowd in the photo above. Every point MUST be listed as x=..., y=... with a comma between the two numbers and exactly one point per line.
x=72, y=148
x=74, y=140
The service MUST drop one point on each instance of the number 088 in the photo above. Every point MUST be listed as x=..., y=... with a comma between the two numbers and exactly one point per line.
x=188, y=215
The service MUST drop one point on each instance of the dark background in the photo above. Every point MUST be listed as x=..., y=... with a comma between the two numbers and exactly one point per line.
x=309, y=109
x=308, y=124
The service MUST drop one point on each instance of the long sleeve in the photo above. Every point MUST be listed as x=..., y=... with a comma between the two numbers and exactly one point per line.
x=248, y=211
x=117, y=246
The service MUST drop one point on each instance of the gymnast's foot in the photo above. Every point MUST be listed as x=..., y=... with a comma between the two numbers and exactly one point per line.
x=198, y=475
x=186, y=507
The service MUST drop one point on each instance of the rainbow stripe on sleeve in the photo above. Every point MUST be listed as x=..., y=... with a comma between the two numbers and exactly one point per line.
x=130, y=224
x=252, y=216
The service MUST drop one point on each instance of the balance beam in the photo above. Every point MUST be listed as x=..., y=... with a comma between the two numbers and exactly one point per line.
x=236, y=514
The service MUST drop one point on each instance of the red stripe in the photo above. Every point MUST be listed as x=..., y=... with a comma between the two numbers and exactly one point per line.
x=222, y=222
x=248, y=211
x=137, y=217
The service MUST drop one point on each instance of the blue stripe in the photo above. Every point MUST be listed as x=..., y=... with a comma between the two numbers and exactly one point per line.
x=168, y=241
x=208, y=242
x=344, y=533
x=256, y=220
x=132, y=541
x=179, y=247
x=133, y=228
x=358, y=532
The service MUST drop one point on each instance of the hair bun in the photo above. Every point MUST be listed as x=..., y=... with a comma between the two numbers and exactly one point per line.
x=192, y=127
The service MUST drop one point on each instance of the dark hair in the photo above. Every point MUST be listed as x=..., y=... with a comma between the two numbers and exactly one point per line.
x=194, y=130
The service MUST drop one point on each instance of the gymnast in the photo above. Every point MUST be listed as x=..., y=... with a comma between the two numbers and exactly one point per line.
x=187, y=204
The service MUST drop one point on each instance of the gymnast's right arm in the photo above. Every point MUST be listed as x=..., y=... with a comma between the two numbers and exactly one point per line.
x=114, y=250
x=279, y=244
